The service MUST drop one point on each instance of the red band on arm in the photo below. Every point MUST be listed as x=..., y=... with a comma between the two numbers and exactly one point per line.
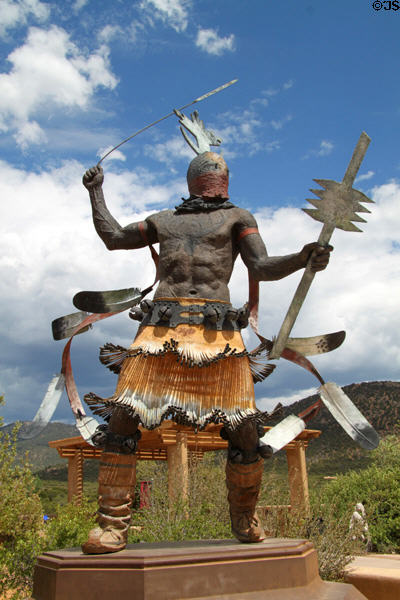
x=247, y=231
x=143, y=233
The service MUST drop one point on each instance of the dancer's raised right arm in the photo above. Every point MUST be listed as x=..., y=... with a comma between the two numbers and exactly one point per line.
x=115, y=237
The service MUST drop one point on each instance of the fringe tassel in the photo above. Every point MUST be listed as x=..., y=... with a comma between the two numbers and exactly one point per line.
x=105, y=407
x=153, y=386
x=113, y=356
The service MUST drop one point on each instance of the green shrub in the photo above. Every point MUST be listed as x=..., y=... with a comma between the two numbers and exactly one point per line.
x=71, y=525
x=17, y=562
x=378, y=488
x=21, y=518
x=204, y=515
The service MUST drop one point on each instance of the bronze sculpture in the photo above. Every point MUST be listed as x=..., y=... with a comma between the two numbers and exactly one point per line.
x=188, y=361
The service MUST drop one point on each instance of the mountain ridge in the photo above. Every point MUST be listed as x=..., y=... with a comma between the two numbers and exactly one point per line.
x=378, y=401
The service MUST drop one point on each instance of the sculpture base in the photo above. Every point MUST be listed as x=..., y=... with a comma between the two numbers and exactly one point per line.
x=276, y=569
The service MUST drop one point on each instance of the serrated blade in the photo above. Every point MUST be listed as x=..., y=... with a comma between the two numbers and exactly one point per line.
x=283, y=433
x=348, y=416
x=336, y=207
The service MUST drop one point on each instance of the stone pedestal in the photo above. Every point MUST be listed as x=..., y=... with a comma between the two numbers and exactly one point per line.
x=277, y=569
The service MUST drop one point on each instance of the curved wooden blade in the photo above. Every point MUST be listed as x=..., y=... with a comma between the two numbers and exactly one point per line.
x=348, y=416
x=108, y=301
x=283, y=433
x=318, y=344
x=64, y=327
x=86, y=427
x=46, y=409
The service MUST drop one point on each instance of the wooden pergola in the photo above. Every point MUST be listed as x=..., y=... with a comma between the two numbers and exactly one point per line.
x=178, y=445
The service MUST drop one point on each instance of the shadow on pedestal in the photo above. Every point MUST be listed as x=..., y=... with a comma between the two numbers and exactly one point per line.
x=276, y=569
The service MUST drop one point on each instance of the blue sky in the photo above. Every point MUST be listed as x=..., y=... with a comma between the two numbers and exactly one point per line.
x=78, y=77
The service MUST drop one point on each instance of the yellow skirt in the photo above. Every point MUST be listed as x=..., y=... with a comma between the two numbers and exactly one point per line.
x=190, y=374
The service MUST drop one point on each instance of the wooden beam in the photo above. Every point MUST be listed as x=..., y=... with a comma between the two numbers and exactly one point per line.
x=75, y=477
x=173, y=443
x=297, y=471
x=178, y=470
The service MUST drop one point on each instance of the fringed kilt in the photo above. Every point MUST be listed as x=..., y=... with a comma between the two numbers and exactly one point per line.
x=188, y=373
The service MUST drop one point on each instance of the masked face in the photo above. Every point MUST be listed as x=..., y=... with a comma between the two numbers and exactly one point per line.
x=208, y=176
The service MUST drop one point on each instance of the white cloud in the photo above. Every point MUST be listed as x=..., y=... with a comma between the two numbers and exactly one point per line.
x=13, y=384
x=49, y=72
x=358, y=292
x=49, y=250
x=115, y=154
x=365, y=176
x=289, y=84
x=173, y=13
x=209, y=41
x=274, y=91
x=325, y=148
x=14, y=13
x=279, y=123
x=29, y=132
x=242, y=128
x=268, y=403
x=109, y=32
x=78, y=5
x=270, y=92
x=170, y=152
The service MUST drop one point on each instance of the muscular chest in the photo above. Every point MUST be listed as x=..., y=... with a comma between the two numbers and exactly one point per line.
x=195, y=233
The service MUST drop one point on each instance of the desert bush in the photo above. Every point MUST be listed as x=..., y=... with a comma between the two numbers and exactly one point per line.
x=17, y=562
x=21, y=517
x=321, y=525
x=204, y=515
x=70, y=526
x=378, y=488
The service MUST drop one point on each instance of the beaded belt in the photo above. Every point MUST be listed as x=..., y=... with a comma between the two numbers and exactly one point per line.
x=218, y=316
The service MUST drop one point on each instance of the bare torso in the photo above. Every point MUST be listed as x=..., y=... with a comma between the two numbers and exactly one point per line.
x=198, y=249
x=197, y=252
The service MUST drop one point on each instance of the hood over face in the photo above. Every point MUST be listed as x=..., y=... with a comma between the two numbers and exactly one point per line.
x=208, y=176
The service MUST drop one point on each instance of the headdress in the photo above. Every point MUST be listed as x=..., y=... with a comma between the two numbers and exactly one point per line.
x=208, y=174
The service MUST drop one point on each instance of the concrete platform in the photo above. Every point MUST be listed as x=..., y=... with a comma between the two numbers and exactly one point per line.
x=276, y=569
x=377, y=576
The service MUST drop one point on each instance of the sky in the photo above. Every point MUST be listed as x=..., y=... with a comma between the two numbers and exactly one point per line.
x=78, y=77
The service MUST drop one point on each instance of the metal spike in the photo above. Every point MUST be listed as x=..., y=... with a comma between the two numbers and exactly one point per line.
x=317, y=203
x=326, y=183
x=358, y=219
x=361, y=208
x=361, y=197
x=319, y=193
x=348, y=226
x=314, y=213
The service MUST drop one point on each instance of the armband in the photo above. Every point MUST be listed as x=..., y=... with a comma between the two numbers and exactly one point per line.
x=247, y=231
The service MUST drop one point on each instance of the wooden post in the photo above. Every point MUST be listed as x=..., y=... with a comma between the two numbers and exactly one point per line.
x=75, y=477
x=178, y=470
x=297, y=469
